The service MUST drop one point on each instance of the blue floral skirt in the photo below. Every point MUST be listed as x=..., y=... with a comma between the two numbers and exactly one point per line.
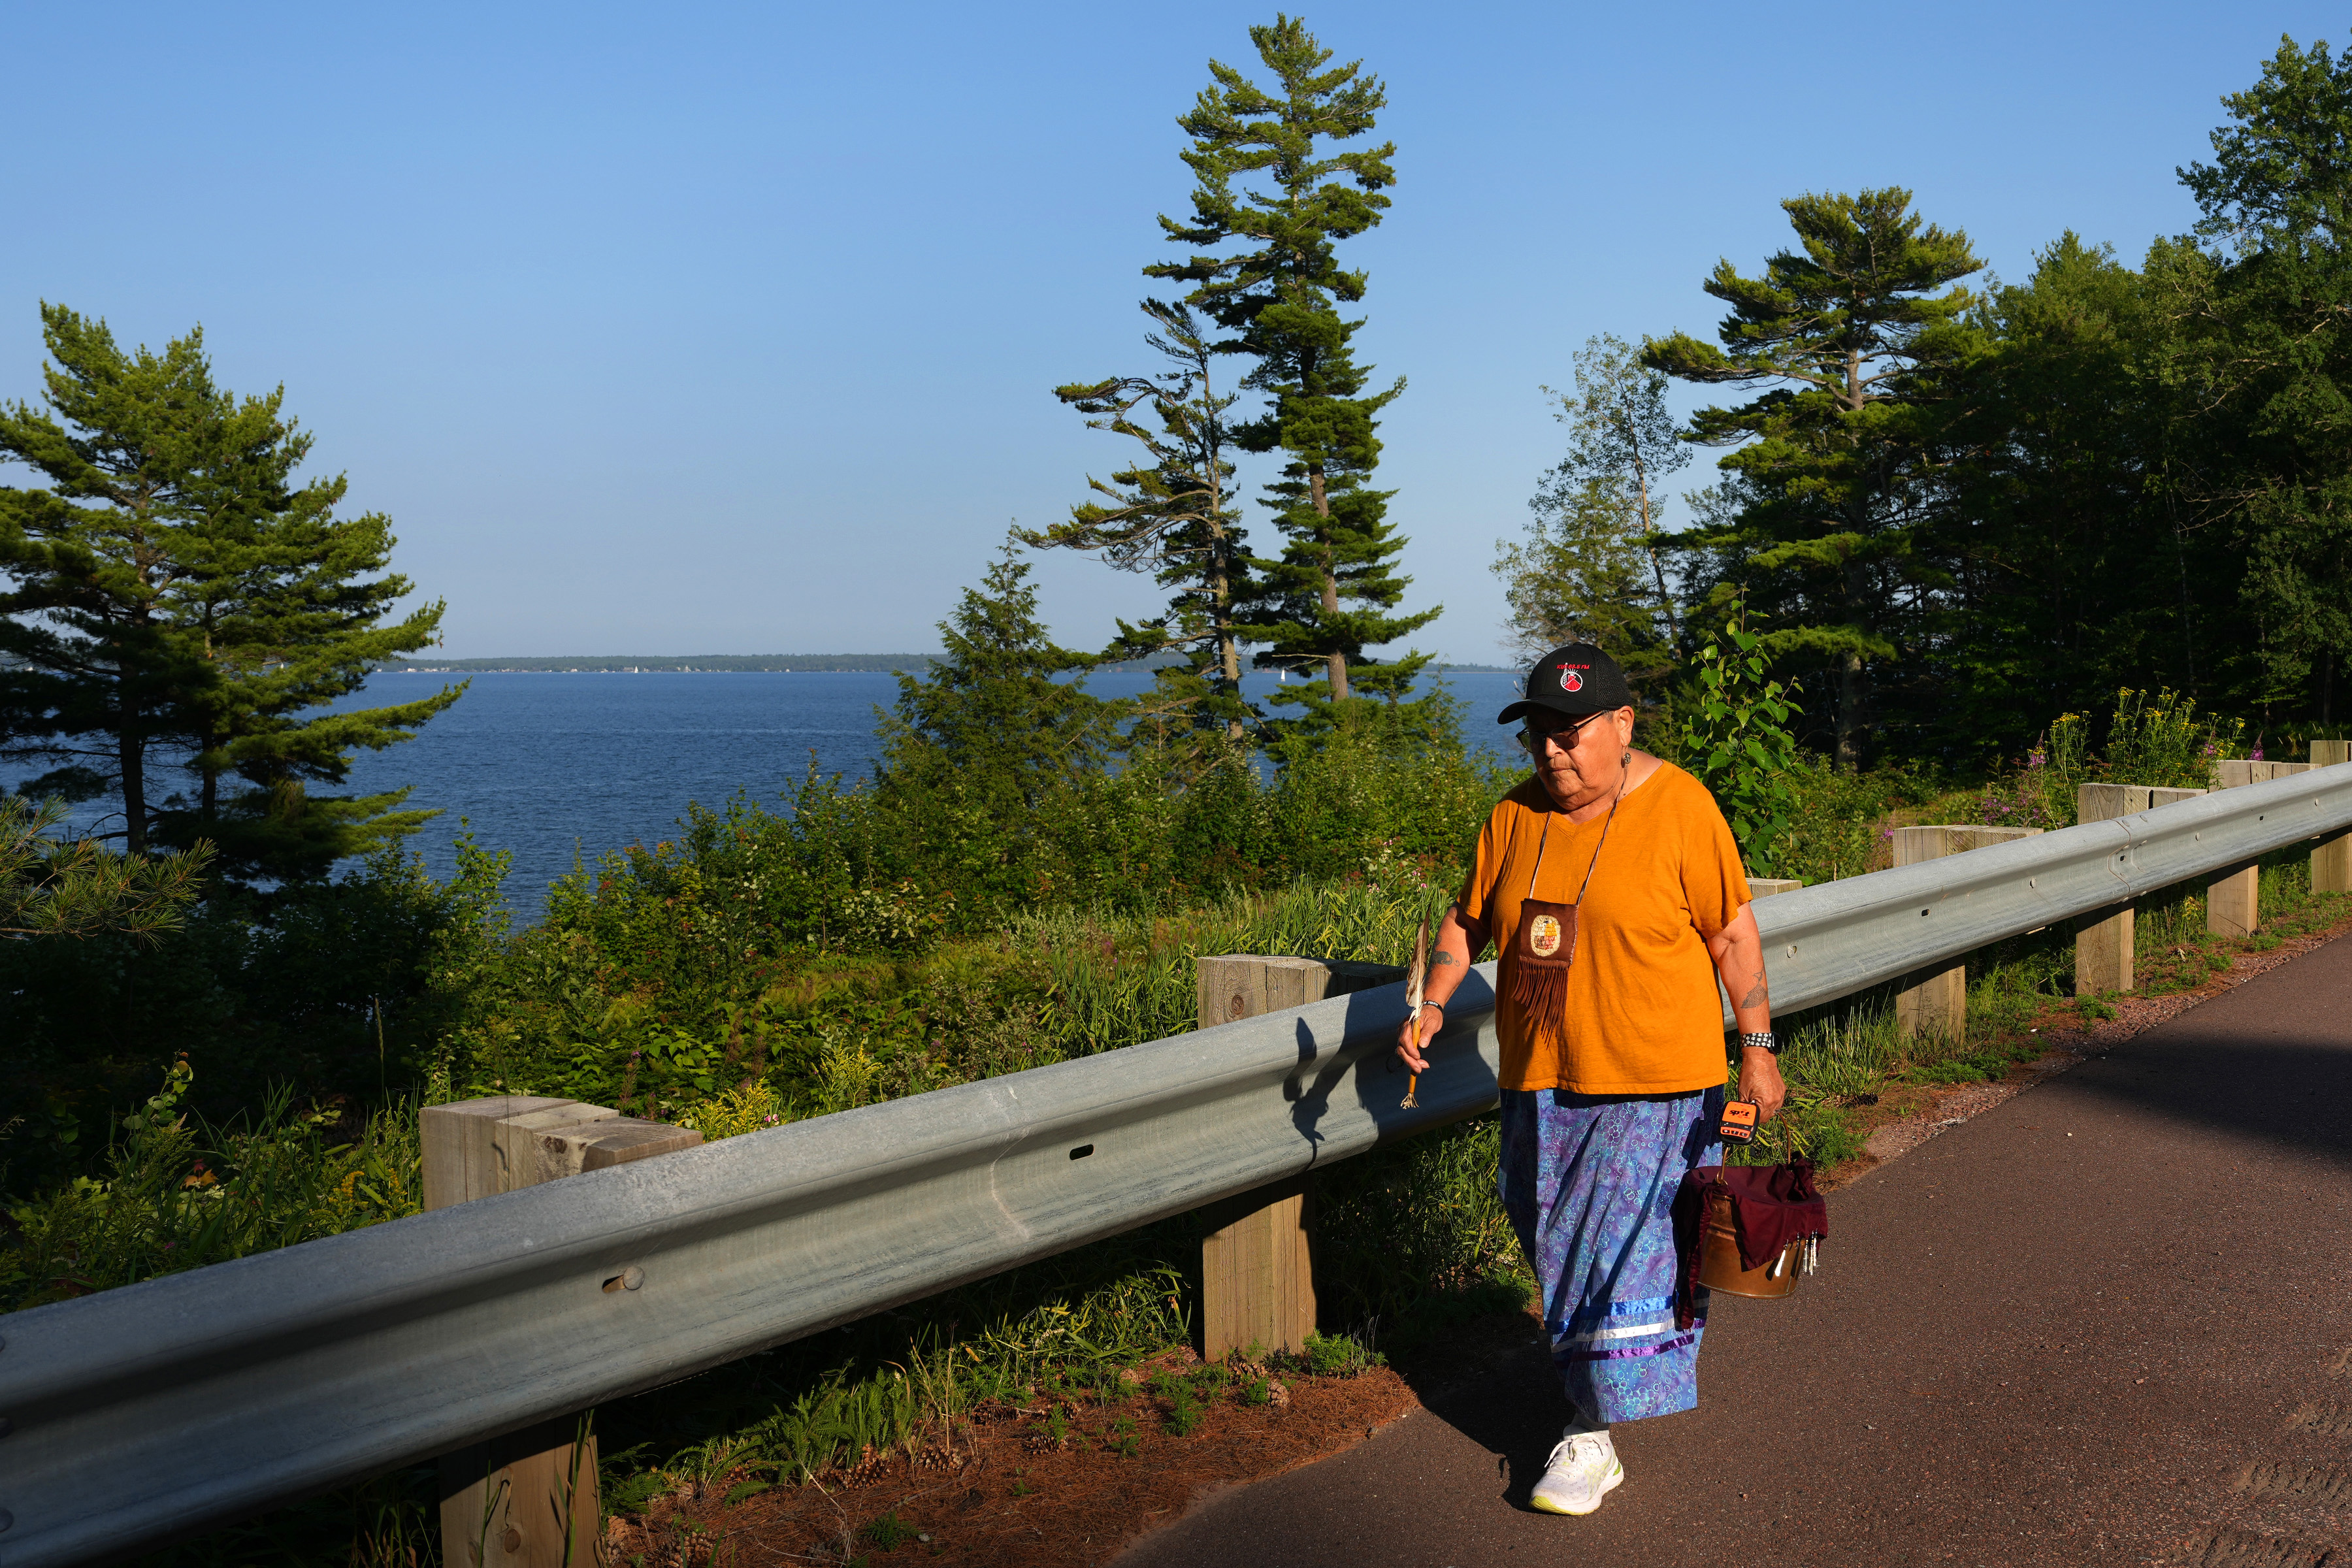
x=1589, y=1182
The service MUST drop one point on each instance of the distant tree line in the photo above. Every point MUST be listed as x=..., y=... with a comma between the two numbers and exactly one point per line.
x=1956, y=512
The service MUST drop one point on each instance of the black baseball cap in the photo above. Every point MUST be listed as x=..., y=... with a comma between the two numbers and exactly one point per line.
x=1574, y=680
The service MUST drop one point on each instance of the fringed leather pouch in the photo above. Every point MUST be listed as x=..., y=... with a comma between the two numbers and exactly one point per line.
x=1545, y=948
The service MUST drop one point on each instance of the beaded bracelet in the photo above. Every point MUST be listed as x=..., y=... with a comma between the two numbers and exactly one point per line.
x=1760, y=1040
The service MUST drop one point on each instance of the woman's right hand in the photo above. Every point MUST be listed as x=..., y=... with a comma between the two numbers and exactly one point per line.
x=1457, y=939
x=1417, y=1033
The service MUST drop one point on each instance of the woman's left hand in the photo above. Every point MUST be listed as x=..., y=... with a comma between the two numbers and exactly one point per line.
x=1759, y=1080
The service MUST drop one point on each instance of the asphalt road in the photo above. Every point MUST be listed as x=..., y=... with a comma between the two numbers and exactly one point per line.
x=2061, y=1333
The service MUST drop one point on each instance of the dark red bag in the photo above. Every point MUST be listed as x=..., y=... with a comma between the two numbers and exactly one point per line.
x=1772, y=1205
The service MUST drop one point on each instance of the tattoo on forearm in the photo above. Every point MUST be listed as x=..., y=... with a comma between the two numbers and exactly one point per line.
x=1757, y=995
x=1435, y=959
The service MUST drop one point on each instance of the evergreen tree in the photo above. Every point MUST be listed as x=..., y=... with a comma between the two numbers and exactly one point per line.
x=1327, y=598
x=98, y=679
x=1851, y=348
x=173, y=595
x=1579, y=577
x=289, y=602
x=991, y=719
x=2275, y=350
x=1592, y=567
x=1170, y=515
x=2080, y=560
x=55, y=887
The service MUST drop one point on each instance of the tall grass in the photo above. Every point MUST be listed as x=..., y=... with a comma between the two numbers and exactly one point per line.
x=179, y=1193
x=1118, y=980
x=1840, y=828
x=1413, y=1238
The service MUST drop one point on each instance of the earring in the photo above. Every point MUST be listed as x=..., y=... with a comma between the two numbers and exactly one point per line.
x=1626, y=760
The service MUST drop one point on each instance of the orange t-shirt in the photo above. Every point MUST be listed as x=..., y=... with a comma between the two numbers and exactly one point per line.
x=1644, y=1015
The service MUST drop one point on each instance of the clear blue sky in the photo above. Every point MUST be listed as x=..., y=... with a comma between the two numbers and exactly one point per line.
x=709, y=328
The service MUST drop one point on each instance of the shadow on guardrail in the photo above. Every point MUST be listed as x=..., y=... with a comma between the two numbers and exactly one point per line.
x=1375, y=1081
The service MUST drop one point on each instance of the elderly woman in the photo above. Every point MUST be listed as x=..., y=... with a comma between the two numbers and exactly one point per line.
x=1613, y=889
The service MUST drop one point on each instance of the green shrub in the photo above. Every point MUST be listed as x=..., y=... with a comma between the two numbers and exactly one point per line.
x=1183, y=1417
x=1840, y=822
x=2021, y=800
x=178, y=1194
x=2150, y=740
x=1340, y=1355
x=340, y=991
x=736, y=1112
x=665, y=977
x=2161, y=739
x=1736, y=738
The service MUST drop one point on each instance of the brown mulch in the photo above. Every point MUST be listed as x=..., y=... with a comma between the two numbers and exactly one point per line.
x=1007, y=1497
x=1908, y=1115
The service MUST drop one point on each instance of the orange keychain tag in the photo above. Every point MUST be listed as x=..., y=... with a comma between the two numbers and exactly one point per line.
x=1739, y=1121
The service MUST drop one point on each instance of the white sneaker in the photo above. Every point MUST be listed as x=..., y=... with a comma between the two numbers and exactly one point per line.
x=1582, y=1469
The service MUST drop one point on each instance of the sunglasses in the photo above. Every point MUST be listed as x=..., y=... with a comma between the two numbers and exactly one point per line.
x=1531, y=740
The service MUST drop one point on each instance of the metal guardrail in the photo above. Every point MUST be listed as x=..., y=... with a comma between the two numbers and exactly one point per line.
x=159, y=1409
x=1831, y=941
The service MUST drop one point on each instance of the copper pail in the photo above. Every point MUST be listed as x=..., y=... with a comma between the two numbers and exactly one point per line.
x=1718, y=1260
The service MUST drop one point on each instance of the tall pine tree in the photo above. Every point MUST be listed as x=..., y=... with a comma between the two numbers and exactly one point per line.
x=1849, y=343
x=175, y=599
x=1328, y=597
x=2081, y=561
x=98, y=679
x=2276, y=351
x=1171, y=515
x=289, y=603
x=1593, y=568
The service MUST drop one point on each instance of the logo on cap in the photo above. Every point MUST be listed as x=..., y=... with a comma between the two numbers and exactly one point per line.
x=1570, y=680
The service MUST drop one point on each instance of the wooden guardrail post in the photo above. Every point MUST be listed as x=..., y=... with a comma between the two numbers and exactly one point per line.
x=1257, y=1275
x=2103, y=943
x=1765, y=887
x=2233, y=899
x=1939, y=1003
x=2331, y=858
x=528, y=1498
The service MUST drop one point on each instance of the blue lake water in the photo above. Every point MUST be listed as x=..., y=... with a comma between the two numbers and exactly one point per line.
x=557, y=767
